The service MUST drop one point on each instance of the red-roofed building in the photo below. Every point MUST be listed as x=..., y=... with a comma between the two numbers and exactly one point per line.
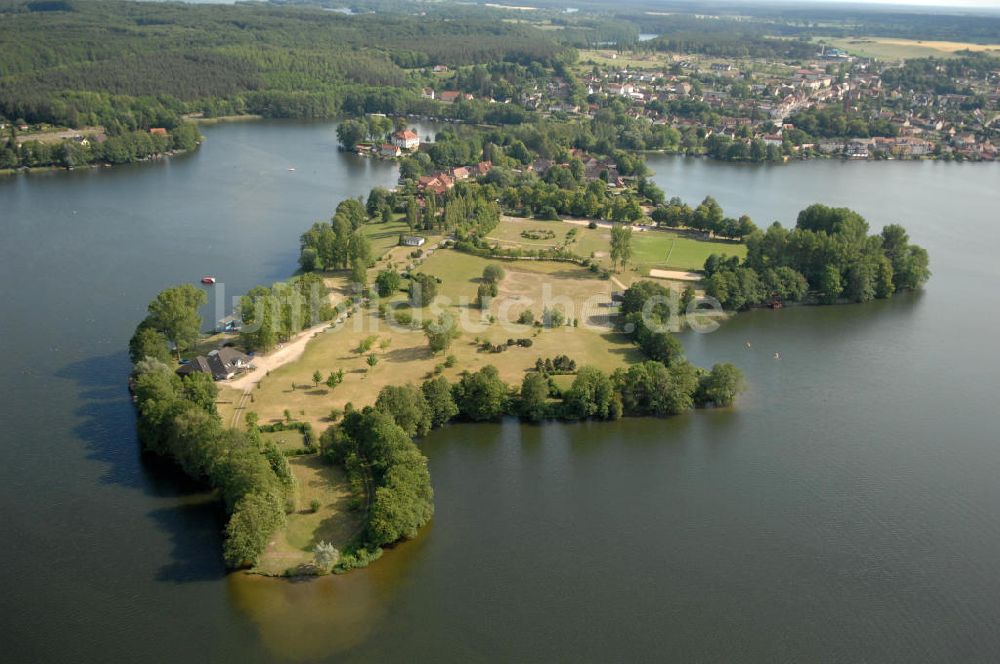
x=435, y=184
x=406, y=140
x=450, y=96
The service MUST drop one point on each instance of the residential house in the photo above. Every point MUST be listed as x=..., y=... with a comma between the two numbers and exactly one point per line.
x=389, y=150
x=406, y=140
x=482, y=168
x=220, y=364
x=912, y=147
x=435, y=184
x=451, y=96
x=858, y=148
x=412, y=240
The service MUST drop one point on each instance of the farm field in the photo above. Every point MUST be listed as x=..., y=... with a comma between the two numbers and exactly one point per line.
x=901, y=49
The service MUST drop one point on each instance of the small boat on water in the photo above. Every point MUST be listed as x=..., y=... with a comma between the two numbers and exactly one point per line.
x=208, y=280
x=291, y=170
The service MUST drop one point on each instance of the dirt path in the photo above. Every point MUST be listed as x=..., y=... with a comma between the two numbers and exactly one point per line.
x=285, y=353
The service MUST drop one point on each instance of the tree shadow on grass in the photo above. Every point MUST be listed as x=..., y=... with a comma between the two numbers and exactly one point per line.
x=408, y=354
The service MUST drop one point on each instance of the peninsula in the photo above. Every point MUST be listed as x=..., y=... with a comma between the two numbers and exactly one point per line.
x=463, y=295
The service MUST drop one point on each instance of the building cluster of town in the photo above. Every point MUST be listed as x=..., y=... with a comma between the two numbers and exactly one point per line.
x=755, y=101
x=758, y=106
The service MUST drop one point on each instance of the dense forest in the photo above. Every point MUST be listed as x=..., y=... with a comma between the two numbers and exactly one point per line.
x=600, y=22
x=123, y=63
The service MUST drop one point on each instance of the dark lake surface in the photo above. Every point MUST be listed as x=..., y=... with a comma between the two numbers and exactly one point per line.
x=846, y=510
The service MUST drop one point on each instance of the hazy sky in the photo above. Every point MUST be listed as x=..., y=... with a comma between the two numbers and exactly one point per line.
x=992, y=4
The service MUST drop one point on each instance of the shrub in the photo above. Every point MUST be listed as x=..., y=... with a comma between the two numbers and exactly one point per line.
x=387, y=282
x=423, y=288
x=533, y=404
x=437, y=393
x=553, y=317
x=325, y=556
x=482, y=395
x=314, y=505
x=493, y=273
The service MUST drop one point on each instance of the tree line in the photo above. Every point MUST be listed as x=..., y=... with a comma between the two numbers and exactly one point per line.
x=377, y=441
x=273, y=314
x=121, y=148
x=177, y=419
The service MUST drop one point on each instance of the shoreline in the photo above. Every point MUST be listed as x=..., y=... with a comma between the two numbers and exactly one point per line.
x=32, y=170
x=220, y=119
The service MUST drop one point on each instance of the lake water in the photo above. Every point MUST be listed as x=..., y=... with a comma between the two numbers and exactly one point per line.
x=846, y=510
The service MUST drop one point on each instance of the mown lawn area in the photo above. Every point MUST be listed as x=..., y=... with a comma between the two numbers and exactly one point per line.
x=508, y=233
x=665, y=249
x=678, y=251
x=384, y=236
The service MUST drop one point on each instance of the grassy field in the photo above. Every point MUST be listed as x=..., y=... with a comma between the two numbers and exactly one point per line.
x=650, y=61
x=665, y=249
x=385, y=236
x=508, y=233
x=285, y=440
x=608, y=58
x=678, y=251
x=900, y=49
x=333, y=522
x=403, y=355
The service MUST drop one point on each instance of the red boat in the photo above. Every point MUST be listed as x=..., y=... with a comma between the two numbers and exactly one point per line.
x=208, y=280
